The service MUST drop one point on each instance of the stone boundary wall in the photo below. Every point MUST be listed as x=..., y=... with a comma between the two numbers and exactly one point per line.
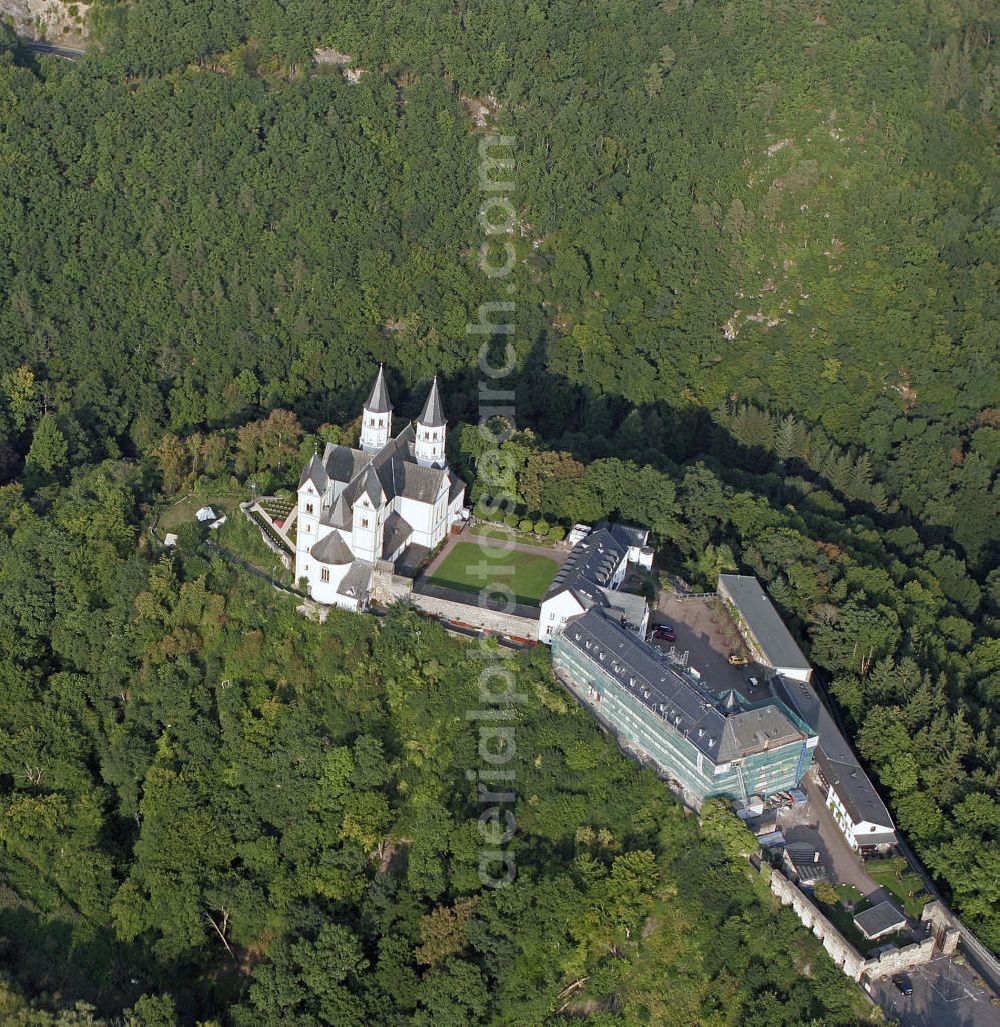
x=843, y=953
x=482, y=600
x=488, y=620
x=389, y=588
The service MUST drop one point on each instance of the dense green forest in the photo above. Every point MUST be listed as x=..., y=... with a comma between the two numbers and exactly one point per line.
x=756, y=309
x=216, y=809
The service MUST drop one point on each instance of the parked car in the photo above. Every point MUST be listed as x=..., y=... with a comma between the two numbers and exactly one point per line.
x=664, y=632
x=903, y=984
x=737, y=660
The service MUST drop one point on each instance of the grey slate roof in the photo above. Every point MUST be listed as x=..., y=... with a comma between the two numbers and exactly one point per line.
x=629, y=535
x=395, y=533
x=638, y=669
x=878, y=838
x=837, y=761
x=763, y=620
x=809, y=873
x=378, y=401
x=880, y=919
x=457, y=486
x=332, y=550
x=366, y=483
x=395, y=471
x=632, y=607
x=357, y=581
x=340, y=515
x=756, y=730
x=314, y=472
x=343, y=463
x=592, y=562
x=415, y=482
x=432, y=415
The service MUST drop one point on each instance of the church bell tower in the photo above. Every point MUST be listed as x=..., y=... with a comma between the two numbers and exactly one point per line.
x=429, y=445
x=376, y=421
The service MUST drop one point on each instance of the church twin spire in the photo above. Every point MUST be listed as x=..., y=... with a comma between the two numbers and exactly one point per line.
x=376, y=420
x=378, y=401
x=431, y=427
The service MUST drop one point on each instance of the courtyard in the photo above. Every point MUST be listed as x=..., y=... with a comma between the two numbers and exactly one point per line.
x=469, y=566
x=944, y=992
x=706, y=635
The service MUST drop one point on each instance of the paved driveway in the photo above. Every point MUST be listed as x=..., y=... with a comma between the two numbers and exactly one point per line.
x=944, y=995
x=814, y=823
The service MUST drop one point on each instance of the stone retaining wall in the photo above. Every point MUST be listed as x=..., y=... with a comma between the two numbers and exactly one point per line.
x=488, y=620
x=901, y=959
x=389, y=588
x=844, y=954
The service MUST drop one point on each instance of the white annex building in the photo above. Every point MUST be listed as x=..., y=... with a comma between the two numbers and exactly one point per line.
x=592, y=575
x=360, y=506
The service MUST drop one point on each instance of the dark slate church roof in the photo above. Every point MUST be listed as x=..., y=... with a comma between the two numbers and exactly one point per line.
x=357, y=581
x=333, y=550
x=367, y=482
x=394, y=468
x=397, y=531
x=342, y=463
x=315, y=472
x=378, y=401
x=433, y=413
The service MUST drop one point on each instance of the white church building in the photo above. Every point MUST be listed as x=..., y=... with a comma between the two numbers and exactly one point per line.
x=357, y=507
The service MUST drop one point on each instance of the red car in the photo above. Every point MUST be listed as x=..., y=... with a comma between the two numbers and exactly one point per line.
x=664, y=632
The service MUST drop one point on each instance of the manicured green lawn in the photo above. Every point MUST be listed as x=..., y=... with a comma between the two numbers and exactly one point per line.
x=848, y=893
x=903, y=889
x=528, y=581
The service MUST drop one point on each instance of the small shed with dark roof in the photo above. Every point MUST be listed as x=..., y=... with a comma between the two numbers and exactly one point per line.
x=883, y=918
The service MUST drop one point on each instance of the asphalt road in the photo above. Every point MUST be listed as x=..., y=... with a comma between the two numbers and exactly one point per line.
x=66, y=52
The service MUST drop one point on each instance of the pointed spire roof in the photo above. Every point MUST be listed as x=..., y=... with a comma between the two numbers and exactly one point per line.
x=433, y=413
x=378, y=401
x=314, y=471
